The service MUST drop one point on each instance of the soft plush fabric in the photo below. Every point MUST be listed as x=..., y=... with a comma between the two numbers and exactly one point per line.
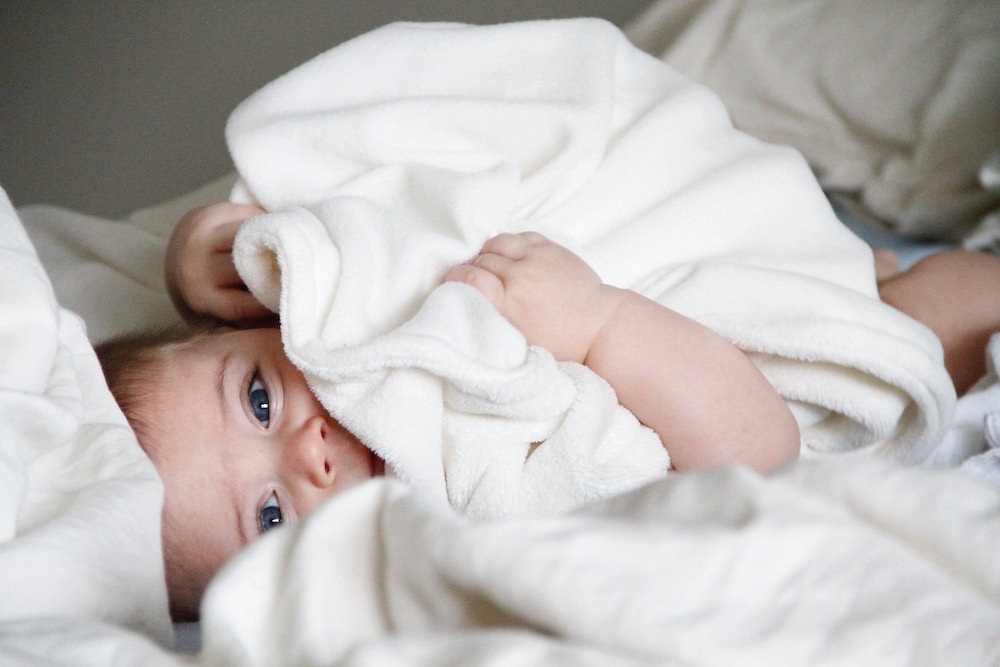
x=377, y=184
x=973, y=440
x=79, y=500
x=894, y=103
x=833, y=563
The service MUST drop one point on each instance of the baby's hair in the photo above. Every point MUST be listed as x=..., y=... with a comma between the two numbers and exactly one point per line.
x=132, y=364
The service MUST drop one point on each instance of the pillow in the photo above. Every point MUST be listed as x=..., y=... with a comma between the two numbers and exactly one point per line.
x=894, y=103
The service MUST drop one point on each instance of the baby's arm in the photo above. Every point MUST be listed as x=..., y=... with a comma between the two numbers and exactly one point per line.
x=201, y=278
x=705, y=399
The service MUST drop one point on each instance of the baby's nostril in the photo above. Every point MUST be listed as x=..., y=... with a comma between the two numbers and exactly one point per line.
x=326, y=467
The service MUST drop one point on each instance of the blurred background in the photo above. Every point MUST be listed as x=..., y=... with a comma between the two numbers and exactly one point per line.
x=72, y=114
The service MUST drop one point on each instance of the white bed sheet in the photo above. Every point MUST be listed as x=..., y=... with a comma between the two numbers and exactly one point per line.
x=893, y=103
x=79, y=500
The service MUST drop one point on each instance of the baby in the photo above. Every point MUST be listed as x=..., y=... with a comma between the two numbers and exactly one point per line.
x=243, y=446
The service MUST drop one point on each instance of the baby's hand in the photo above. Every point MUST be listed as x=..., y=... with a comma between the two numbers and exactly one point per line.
x=550, y=294
x=199, y=270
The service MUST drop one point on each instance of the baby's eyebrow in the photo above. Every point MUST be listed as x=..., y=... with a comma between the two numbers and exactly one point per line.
x=220, y=388
x=220, y=380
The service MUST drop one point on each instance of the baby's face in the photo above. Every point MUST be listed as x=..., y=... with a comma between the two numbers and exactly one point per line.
x=242, y=446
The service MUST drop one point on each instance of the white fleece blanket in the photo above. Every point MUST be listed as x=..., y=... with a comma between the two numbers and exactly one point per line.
x=396, y=155
x=820, y=564
x=823, y=563
x=973, y=439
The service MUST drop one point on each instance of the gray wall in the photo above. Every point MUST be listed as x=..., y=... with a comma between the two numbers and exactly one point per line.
x=110, y=106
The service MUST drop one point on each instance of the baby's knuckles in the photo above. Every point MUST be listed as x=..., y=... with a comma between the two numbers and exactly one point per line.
x=558, y=301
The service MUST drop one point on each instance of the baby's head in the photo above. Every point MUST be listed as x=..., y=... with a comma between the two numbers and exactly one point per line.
x=241, y=443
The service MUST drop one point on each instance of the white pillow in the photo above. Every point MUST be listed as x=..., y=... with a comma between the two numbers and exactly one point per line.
x=894, y=103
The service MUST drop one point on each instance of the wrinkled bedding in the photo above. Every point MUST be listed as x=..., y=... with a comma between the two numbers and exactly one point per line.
x=820, y=564
x=79, y=501
x=893, y=103
x=824, y=562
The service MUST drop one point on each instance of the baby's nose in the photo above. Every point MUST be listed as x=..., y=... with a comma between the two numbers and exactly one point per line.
x=312, y=452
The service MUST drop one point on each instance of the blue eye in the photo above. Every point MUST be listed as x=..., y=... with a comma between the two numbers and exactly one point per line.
x=260, y=402
x=270, y=514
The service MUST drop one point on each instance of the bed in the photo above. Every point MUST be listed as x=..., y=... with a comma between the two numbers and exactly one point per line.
x=868, y=556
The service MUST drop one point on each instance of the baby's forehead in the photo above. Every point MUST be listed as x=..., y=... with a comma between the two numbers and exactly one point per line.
x=189, y=436
x=179, y=389
x=207, y=346
x=226, y=340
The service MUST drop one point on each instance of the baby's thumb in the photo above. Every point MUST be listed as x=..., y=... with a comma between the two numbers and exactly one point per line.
x=486, y=282
x=241, y=307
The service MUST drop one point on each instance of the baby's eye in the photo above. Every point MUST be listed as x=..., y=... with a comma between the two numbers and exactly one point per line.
x=260, y=402
x=270, y=514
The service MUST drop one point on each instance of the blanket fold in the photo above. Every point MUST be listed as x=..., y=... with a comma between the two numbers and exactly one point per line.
x=820, y=563
x=390, y=158
x=79, y=500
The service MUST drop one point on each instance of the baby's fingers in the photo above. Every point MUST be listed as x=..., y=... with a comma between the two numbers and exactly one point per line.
x=487, y=283
x=222, y=271
x=222, y=234
x=238, y=306
x=513, y=246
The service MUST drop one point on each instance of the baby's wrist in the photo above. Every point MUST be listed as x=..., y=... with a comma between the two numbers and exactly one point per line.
x=611, y=302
